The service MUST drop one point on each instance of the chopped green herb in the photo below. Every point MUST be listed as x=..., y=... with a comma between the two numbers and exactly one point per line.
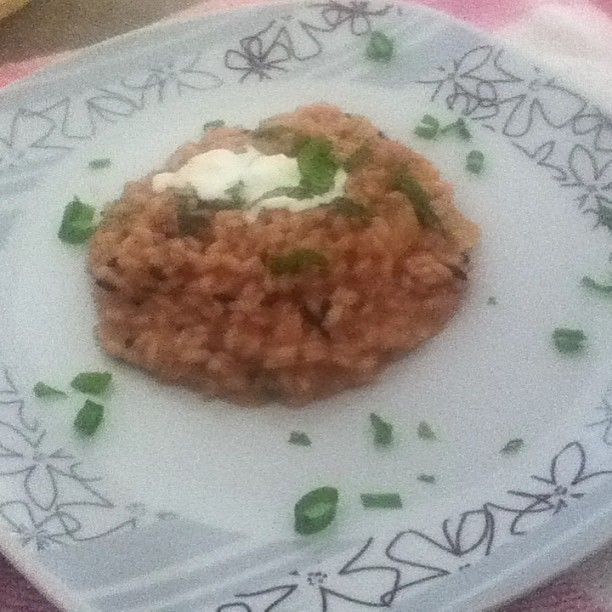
x=420, y=201
x=492, y=301
x=89, y=418
x=299, y=438
x=428, y=478
x=43, y=390
x=383, y=431
x=316, y=510
x=513, y=446
x=590, y=283
x=459, y=127
x=358, y=158
x=296, y=261
x=99, y=164
x=236, y=194
x=317, y=166
x=352, y=209
x=213, y=125
x=77, y=223
x=94, y=383
x=380, y=47
x=569, y=340
x=474, y=162
x=381, y=500
x=425, y=432
x=429, y=127
x=299, y=193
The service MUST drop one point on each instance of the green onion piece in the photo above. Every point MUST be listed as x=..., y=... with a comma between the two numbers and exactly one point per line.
x=492, y=301
x=429, y=127
x=352, y=209
x=590, y=283
x=213, y=125
x=568, y=340
x=93, y=383
x=380, y=47
x=425, y=432
x=381, y=500
x=317, y=166
x=89, y=418
x=77, y=223
x=358, y=158
x=236, y=194
x=428, y=478
x=299, y=438
x=296, y=261
x=474, y=162
x=99, y=164
x=420, y=201
x=43, y=390
x=299, y=193
x=459, y=127
x=316, y=510
x=513, y=446
x=383, y=431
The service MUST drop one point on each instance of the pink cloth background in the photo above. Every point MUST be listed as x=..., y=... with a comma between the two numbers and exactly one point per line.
x=587, y=588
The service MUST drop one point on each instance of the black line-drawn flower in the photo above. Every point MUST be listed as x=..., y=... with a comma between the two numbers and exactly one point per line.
x=463, y=541
x=555, y=104
x=543, y=156
x=175, y=74
x=25, y=142
x=606, y=422
x=259, y=56
x=319, y=587
x=565, y=484
x=41, y=533
x=597, y=123
x=594, y=183
x=357, y=13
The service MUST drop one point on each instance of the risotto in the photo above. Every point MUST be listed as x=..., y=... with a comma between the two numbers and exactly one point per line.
x=353, y=254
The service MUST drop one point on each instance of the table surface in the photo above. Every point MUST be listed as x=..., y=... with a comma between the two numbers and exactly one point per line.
x=50, y=26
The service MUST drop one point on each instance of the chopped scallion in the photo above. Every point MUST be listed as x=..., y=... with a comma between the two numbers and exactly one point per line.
x=89, y=418
x=569, y=340
x=77, y=223
x=425, y=432
x=420, y=201
x=316, y=510
x=474, y=162
x=380, y=47
x=99, y=164
x=513, y=446
x=383, y=431
x=299, y=438
x=41, y=389
x=381, y=500
x=93, y=383
x=429, y=127
x=590, y=283
x=428, y=478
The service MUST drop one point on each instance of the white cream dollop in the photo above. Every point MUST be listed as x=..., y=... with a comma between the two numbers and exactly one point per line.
x=212, y=173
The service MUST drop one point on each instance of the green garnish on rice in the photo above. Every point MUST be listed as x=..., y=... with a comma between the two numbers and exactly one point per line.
x=420, y=201
x=297, y=261
x=317, y=166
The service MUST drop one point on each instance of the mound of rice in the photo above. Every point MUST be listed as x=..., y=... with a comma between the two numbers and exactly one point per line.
x=206, y=310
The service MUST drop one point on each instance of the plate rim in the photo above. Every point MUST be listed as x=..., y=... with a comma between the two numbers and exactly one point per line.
x=570, y=531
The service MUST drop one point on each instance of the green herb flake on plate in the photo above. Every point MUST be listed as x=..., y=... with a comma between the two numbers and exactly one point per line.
x=428, y=129
x=425, y=432
x=92, y=383
x=474, y=162
x=100, y=164
x=569, y=340
x=380, y=47
x=317, y=166
x=77, y=224
x=213, y=125
x=387, y=501
x=299, y=438
x=427, y=478
x=383, y=431
x=513, y=446
x=89, y=418
x=590, y=283
x=316, y=510
x=41, y=389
